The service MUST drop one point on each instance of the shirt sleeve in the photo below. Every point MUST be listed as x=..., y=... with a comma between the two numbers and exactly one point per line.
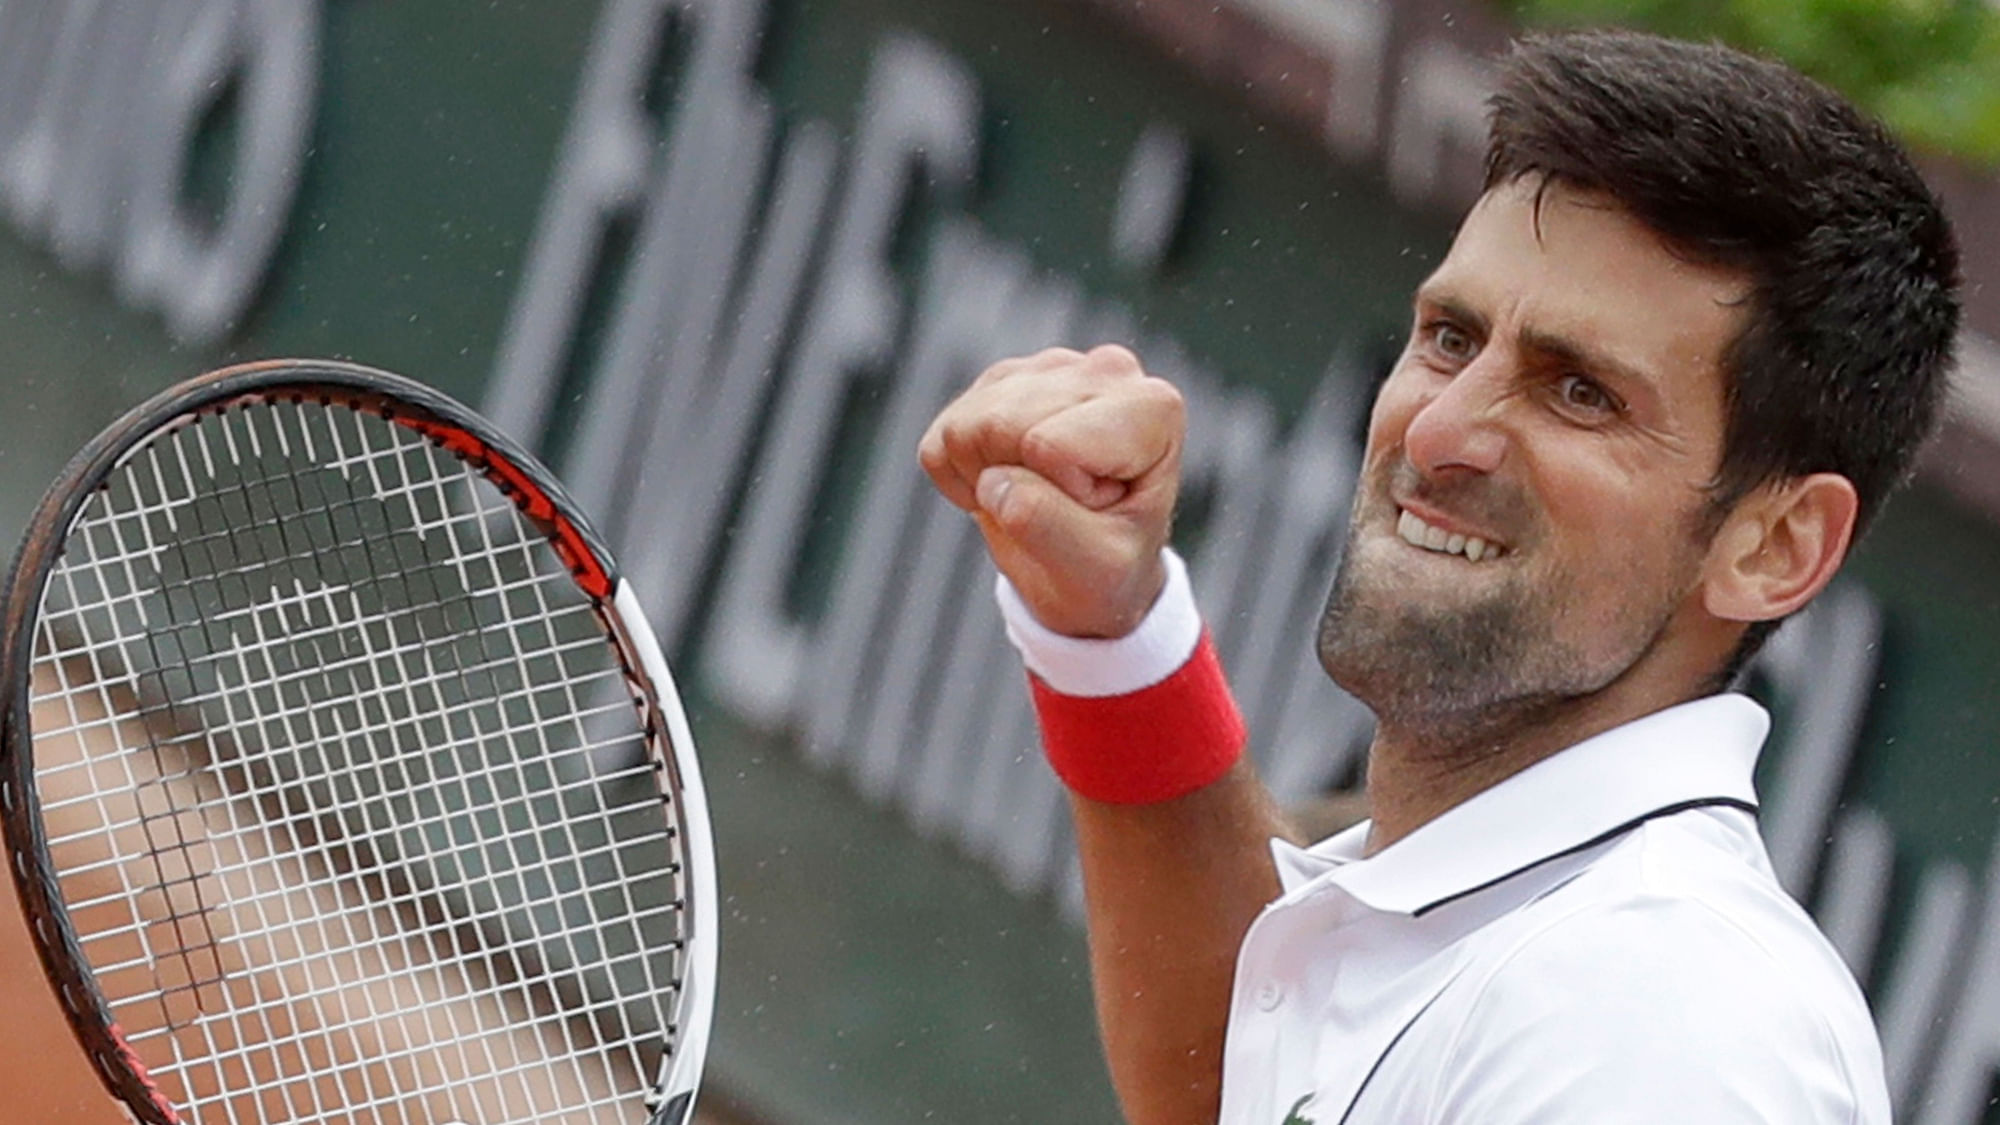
x=1647, y=1013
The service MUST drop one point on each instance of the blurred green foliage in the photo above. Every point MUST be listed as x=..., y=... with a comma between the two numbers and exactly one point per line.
x=1929, y=68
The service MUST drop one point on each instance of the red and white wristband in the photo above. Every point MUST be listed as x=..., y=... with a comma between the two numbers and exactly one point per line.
x=1144, y=718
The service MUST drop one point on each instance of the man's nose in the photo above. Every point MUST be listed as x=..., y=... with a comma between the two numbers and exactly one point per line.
x=1459, y=426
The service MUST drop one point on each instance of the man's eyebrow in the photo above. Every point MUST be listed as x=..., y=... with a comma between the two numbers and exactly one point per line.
x=1452, y=308
x=1569, y=353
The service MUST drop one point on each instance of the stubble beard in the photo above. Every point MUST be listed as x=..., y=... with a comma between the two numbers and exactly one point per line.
x=1467, y=672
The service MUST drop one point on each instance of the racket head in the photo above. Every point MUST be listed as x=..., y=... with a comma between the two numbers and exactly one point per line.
x=551, y=537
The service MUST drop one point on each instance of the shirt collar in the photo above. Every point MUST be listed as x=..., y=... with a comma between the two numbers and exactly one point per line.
x=1693, y=754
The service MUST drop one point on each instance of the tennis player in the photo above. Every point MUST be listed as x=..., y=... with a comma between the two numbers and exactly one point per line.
x=1689, y=337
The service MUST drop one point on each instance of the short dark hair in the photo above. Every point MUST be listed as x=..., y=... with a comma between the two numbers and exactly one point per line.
x=1744, y=163
x=1736, y=161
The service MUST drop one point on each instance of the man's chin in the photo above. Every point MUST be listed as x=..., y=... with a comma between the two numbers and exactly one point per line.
x=1409, y=643
x=1404, y=599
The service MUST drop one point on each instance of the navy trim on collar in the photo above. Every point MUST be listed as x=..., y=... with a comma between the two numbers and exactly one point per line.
x=1702, y=752
x=1600, y=838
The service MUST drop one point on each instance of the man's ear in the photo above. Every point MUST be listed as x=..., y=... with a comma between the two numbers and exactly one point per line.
x=1779, y=547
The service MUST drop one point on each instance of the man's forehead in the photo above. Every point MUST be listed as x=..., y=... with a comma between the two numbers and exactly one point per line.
x=1559, y=261
x=1542, y=215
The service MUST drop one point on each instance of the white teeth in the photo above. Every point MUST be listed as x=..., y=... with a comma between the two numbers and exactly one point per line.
x=1414, y=531
x=1410, y=529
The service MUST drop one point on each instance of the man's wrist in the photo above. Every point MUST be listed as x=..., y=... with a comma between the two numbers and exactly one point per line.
x=1095, y=667
x=1139, y=719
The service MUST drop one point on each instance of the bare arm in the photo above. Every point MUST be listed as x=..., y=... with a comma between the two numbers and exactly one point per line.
x=1170, y=889
x=1070, y=463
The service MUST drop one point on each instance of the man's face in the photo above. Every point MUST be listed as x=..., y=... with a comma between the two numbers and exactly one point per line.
x=1529, y=525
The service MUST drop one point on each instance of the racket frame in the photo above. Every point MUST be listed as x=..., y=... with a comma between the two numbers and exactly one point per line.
x=535, y=492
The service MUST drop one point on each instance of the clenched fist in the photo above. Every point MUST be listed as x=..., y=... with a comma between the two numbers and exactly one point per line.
x=1070, y=462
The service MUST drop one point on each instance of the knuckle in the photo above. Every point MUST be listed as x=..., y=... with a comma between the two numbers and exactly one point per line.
x=1114, y=359
x=1164, y=391
x=1046, y=360
x=999, y=370
x=1162, y=397
x=960, y=427
x=950, y=452
x=931, y=451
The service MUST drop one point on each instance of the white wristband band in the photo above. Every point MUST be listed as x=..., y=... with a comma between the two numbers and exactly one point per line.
x=1095, y=668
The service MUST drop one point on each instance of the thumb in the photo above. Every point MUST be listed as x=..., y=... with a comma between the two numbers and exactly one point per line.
x=1083, y=573
x=1032, y=513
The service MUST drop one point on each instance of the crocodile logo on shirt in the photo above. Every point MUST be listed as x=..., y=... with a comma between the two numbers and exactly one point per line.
x=1297, y=1118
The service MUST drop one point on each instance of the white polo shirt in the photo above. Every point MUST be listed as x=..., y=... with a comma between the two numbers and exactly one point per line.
x=1599, y=938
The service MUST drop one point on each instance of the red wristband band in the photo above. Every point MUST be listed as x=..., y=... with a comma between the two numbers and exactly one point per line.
x=1154, y=744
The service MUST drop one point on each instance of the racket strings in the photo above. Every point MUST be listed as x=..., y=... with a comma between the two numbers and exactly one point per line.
x=540, y=617
x=436, y=668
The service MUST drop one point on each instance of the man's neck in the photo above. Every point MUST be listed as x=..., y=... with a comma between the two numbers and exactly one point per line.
x=1420, y=769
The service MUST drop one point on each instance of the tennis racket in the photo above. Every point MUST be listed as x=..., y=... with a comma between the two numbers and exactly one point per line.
x=342, y=778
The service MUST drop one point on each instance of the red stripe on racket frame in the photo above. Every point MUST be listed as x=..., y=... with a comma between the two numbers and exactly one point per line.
x=535, y=503
x=130, y=1058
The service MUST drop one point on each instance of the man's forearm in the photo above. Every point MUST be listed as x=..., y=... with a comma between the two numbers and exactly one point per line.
x=1070, y=464
x=1171, y=888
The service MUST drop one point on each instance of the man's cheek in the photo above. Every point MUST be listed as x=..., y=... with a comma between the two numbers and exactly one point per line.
x=1395, y=404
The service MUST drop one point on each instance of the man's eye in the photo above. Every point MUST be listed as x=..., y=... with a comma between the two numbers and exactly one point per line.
x=1585, y=395
x=1454, y=343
